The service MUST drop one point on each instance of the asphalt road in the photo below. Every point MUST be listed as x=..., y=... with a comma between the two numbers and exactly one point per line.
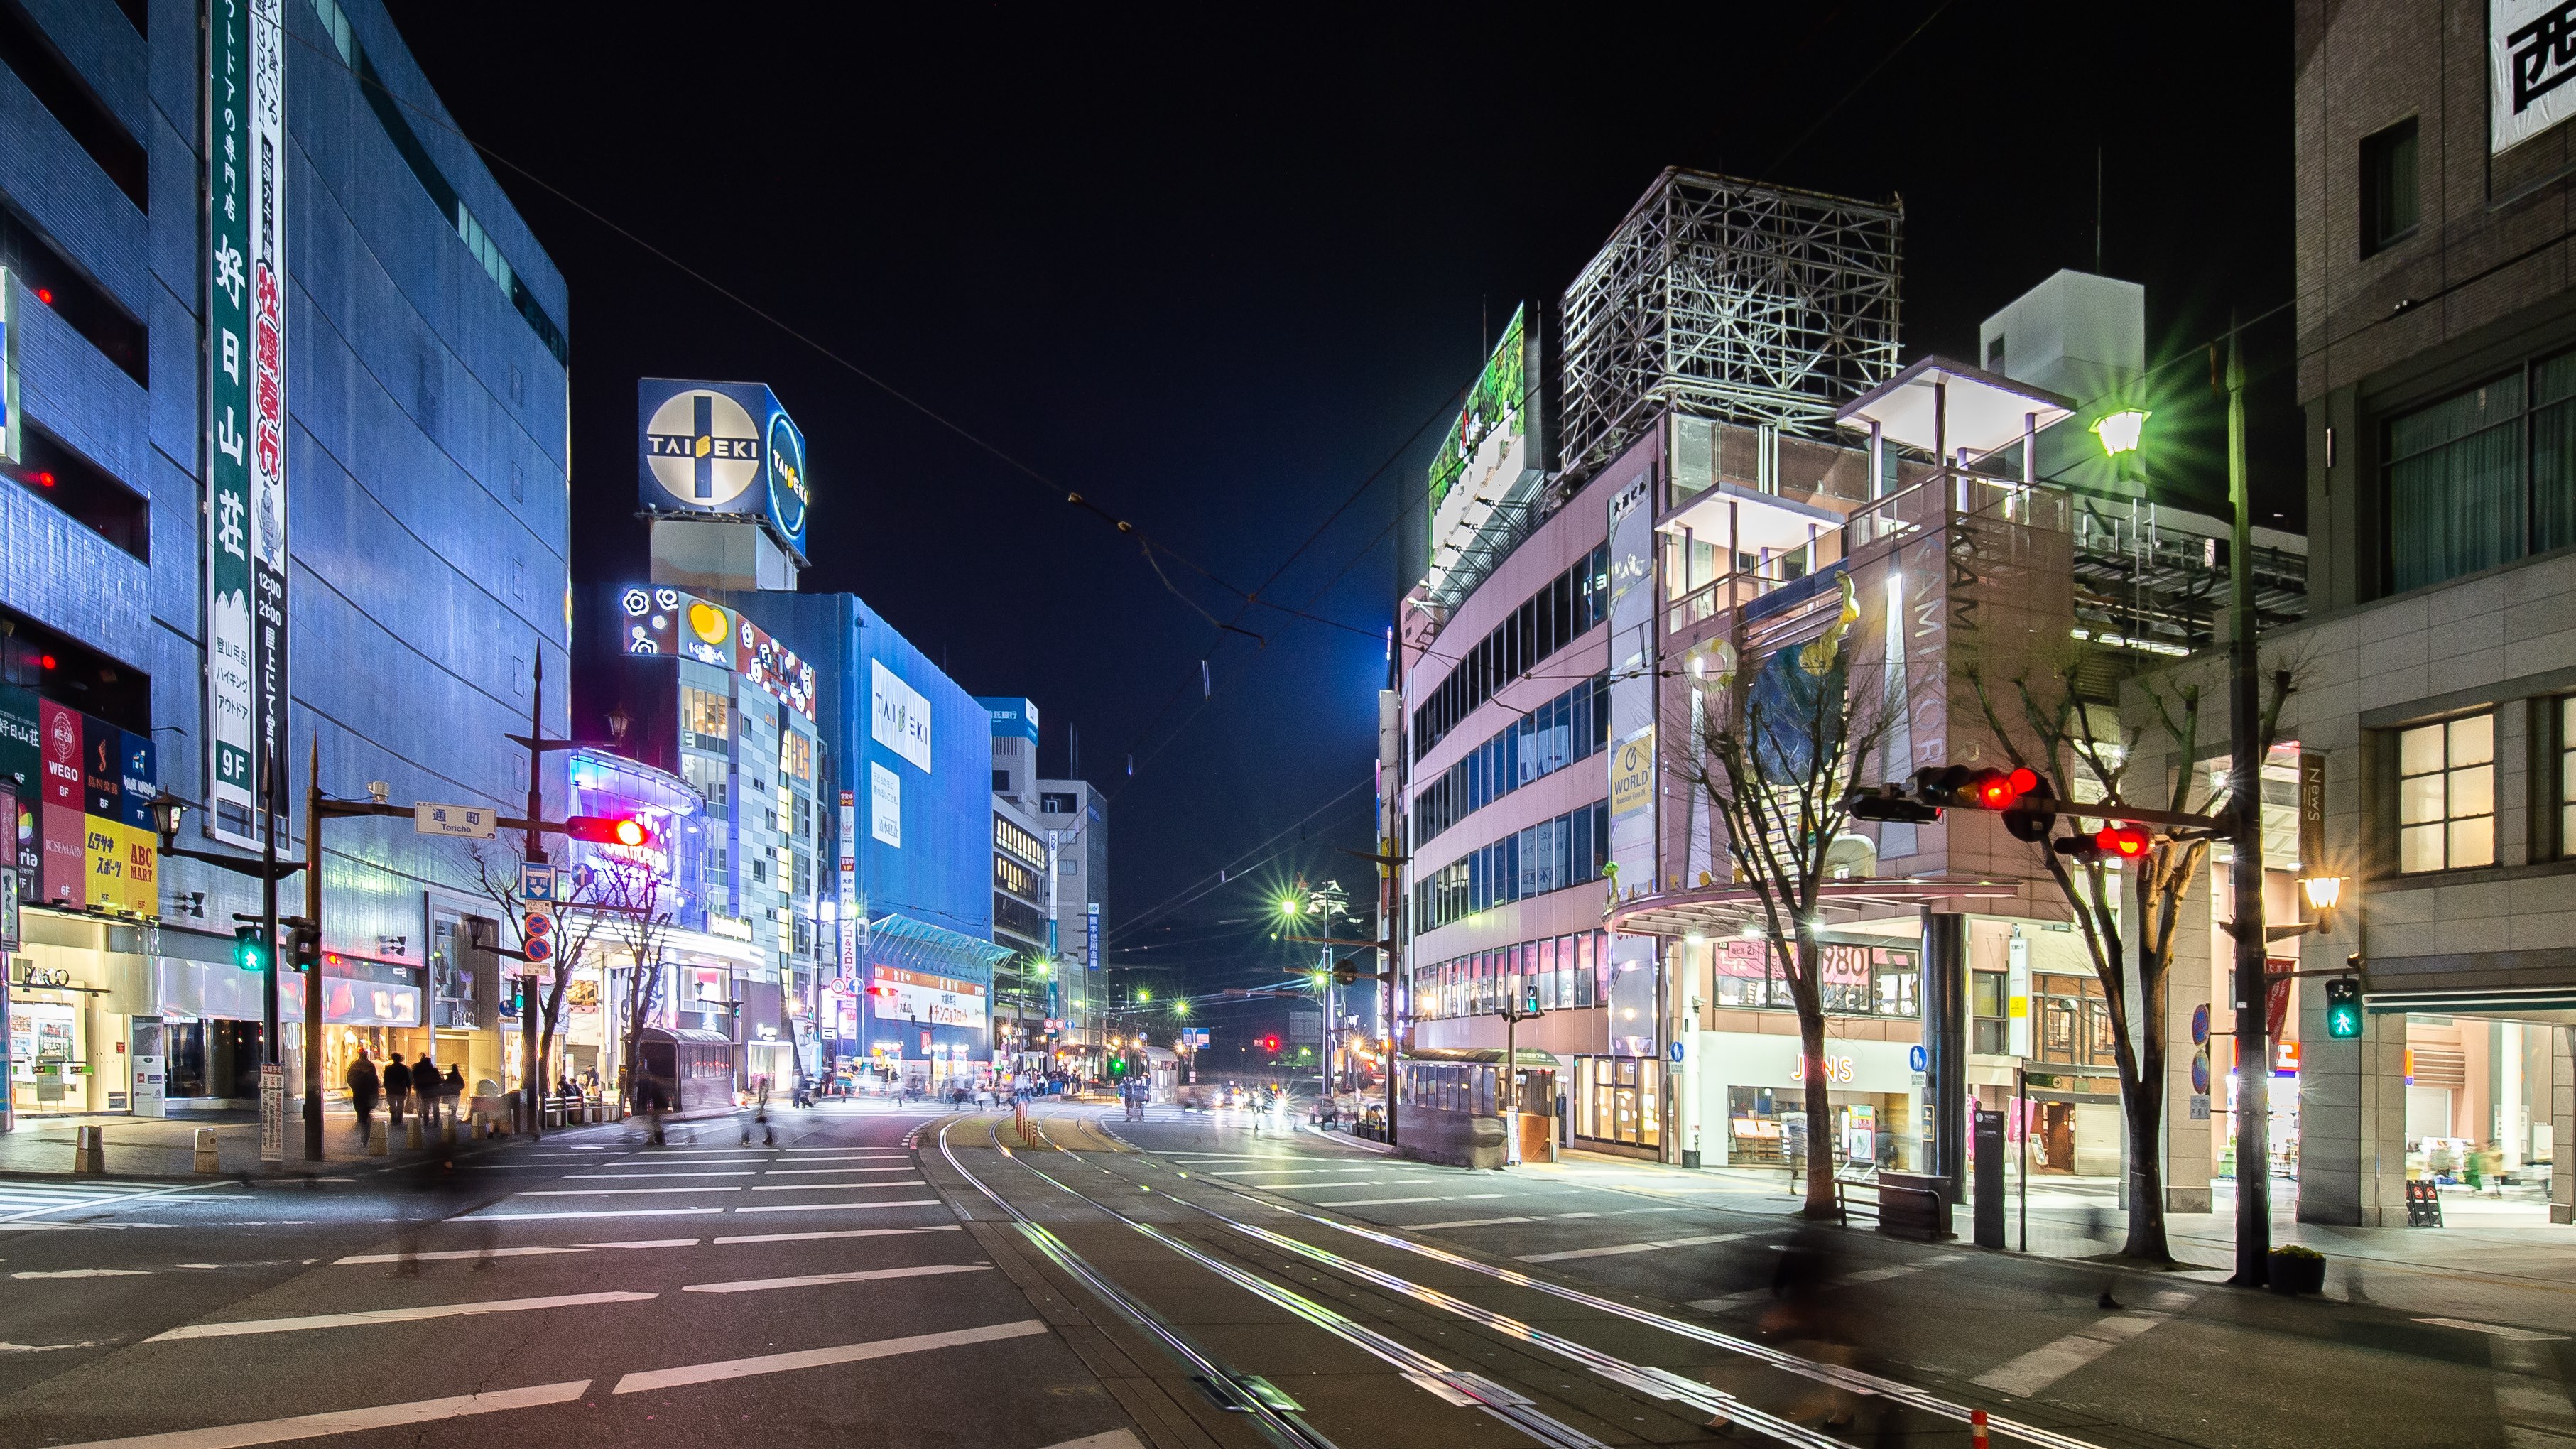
x=1183, y=1280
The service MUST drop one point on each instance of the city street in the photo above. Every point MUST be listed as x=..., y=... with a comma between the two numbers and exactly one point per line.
x=1189, y=1279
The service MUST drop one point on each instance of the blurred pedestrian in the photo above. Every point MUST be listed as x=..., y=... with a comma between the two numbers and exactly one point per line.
x=651, y=1100
x=424, y=1092
x=363, y=1087
x=1808, y=1317
x=759, y=1114
x=445, y=1196
x=453, y=1090
x=397, y=1083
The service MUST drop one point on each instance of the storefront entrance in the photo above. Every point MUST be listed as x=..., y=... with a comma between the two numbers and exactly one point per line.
x=214, y=1059
x=1618, y=1100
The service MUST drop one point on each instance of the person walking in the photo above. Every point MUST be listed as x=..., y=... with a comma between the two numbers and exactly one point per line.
x=453, y=1089
x=397, y=1080
x=362, y=1095
x=424, y=1093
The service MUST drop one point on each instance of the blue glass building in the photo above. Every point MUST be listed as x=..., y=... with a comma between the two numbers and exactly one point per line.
x=425, y=516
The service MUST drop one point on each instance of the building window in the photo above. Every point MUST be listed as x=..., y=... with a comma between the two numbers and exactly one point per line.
x=2446, y=795
x=2074, y=1020
x=2388, y=196
x=2484, y=477
x=2567, y=776
x=707, y=715
x=1001, y=782
x=1052, y=803
x=1990, y=1005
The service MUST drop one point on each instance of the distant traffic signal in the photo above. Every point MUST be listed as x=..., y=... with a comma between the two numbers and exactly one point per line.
x=1270, y=1043
x=609, y=830
x=2343, y=1008
x=249, y=952
x=303, y=943
x=1890, y=803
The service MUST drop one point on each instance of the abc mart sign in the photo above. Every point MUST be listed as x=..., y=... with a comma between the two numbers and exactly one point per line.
x=722, y=448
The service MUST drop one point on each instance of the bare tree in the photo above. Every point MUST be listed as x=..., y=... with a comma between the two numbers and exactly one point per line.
x=2070, y=745
x=494, y=874
x=1779, y=743
x=635, y=910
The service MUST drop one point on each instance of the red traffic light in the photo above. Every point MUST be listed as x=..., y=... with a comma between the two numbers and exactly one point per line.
x=608, y=830
x=1270, y=1043
x=1996, y=790
x=2125, y=841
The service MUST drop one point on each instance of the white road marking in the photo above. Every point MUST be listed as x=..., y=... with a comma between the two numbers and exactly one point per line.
x=347, y=1421
x=820, y=1171
x=839, y=1186
x=741, y=1368
x=809, y=1280
x=1899, y=1270
x=360, y=1260
x=621, y=1191
x=2497, y=1330
x=2530, y=1397
x=631, y=1176
x=40, y=1199
x=89, y=1273
x=2042, y=1366
x=393, y=1315
x=647, y=1243
x=840, y=1233
x=1389, y=1201
x=1616, y=1249
x=1467, y=1223
x=820, y=1207
x=600, y=1213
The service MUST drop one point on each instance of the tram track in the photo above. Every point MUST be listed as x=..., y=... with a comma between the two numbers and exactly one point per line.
x=1707, y=1404
x=1850, y=1380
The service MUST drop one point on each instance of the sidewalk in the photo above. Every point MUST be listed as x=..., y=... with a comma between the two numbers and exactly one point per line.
x=2494, y=1263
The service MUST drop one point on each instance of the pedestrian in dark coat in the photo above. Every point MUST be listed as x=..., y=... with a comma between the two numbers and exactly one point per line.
x=453, y=1089
x=397, y=1091
x=424, y=1091
x=362, y=1095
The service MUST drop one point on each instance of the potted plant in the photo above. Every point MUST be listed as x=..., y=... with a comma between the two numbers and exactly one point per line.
x=2294, y=1269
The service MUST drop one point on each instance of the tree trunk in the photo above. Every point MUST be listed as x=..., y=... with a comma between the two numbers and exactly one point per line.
x=2143, y=1106
x=546, y=1018
x=1820, y=1107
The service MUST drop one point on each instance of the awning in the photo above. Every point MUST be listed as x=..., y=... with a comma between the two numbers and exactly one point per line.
x=1722, y=909
x=1984, y=411
x=901, y=941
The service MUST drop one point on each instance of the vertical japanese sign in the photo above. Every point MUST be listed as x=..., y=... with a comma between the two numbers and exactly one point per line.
x=268, y=379
x=228, y=416
x=849, y=914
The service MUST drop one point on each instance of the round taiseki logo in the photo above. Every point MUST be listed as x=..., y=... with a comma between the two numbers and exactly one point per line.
x=787, y=492
x=703, y=447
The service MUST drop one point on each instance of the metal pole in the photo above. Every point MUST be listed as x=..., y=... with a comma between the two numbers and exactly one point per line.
x=313, y=1026
x=2021, y=1090
x=529, y=1068
x=2245, y=870
x=272, y=1035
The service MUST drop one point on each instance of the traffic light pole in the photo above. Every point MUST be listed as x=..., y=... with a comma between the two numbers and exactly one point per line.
x=314, y=1027
x=2245, y=868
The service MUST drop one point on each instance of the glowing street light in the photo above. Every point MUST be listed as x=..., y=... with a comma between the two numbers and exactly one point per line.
x=2120, y=432
x=1144, y=995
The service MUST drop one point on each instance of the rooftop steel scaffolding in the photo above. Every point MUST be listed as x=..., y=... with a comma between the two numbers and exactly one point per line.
x=1761, y=305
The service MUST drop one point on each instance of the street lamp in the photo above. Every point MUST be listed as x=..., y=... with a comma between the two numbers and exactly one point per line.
x=2122, y=434
x=167, y=811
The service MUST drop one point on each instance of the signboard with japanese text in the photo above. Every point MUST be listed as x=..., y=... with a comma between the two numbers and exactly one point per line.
x=668, y=621
x=267, y=319
x=2531, y=57
x=230, y=144
x=465, y=822
x=849, y=900
x=919, y=996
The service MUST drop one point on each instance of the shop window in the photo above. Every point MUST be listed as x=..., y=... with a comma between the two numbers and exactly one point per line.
x=1897, y=986
x=2446, y=795
x=1989, y=1006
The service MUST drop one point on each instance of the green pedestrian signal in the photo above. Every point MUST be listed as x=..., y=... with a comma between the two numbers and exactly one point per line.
x=2343, y=1008
x=250, y=953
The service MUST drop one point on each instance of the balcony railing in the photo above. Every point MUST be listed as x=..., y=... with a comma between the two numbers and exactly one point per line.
x=1804, y=571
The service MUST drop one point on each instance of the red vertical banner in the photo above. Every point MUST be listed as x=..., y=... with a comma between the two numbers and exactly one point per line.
x=2276, y=996
x=62, y=821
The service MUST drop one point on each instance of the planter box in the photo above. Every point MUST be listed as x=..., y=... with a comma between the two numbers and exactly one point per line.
x=2295, y=1275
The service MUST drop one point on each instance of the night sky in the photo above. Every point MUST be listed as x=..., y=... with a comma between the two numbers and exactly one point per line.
x=1225, y=277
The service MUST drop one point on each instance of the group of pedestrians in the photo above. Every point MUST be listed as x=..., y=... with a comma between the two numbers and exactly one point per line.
x=402, y=1087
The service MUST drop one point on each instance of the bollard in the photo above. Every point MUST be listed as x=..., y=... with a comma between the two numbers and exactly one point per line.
x=208, y=1160
x=412, y=1139
x=1977, y=1428
x=89, y=1149
x=381, y=1144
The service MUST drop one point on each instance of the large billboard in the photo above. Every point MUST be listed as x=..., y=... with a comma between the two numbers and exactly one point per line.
x=684, y=626
x=722, y=449
x=2531, y=57
x=1492, y=449
x=82, y=836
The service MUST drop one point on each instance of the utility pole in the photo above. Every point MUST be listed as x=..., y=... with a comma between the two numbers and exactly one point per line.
x=1509, y=1095
x=531, y=1069
x=2245, y=868
x=315, y=1029
x=272, y=1103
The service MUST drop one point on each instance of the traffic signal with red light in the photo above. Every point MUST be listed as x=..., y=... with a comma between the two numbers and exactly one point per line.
x=2111, y=842
x=608, y=830
x=1270, y=1043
